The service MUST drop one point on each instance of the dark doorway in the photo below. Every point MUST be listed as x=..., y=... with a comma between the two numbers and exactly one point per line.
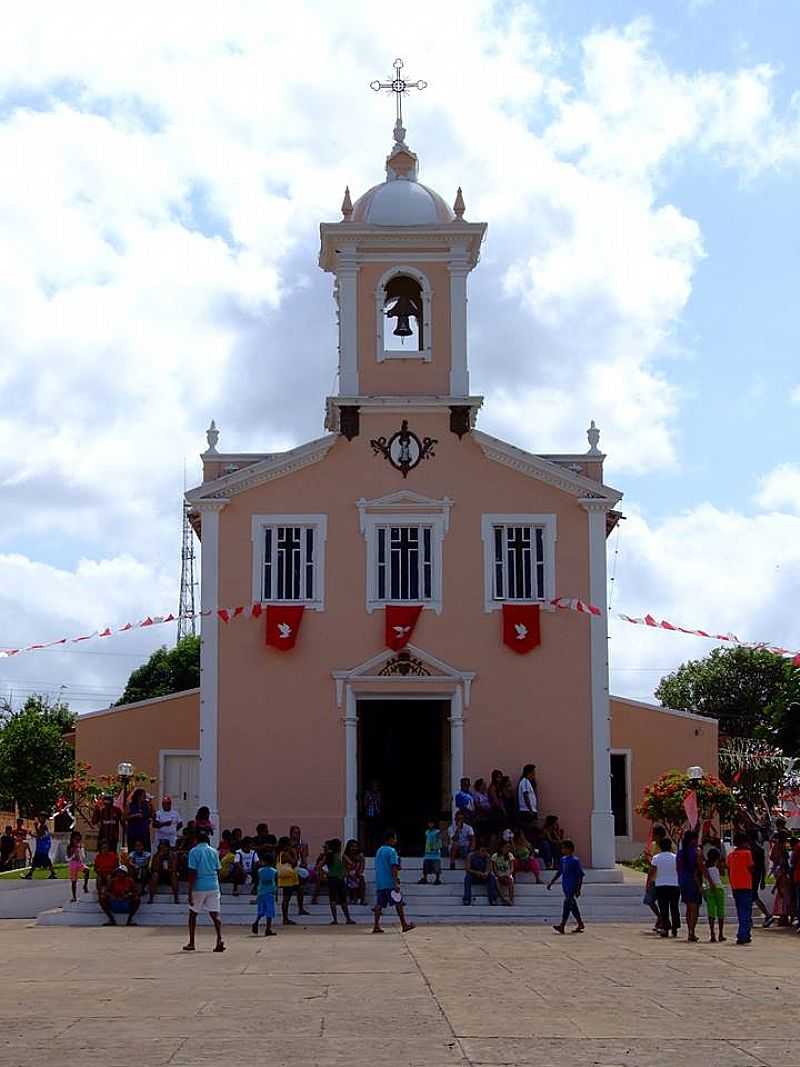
x=619, y=792
x=404, y=746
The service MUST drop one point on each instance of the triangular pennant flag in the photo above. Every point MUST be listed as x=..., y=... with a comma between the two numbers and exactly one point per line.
x=521, y=626
x=283, y=625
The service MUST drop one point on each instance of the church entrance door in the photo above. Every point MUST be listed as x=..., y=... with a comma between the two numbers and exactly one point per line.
x=404, y=749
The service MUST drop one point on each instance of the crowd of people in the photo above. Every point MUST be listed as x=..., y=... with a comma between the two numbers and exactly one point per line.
x=16, y=851
x=694, y=875
x=495, y=835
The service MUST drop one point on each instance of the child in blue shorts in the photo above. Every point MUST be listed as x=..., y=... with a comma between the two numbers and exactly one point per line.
x=267, y=887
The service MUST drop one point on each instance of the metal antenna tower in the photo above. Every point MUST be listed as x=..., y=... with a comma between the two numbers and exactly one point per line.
x=187, y=624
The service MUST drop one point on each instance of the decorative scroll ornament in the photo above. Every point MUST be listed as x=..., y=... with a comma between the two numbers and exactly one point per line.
x=404, y=450
x=404, y=664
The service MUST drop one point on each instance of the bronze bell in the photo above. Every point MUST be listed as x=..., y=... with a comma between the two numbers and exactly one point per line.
x=402, y=310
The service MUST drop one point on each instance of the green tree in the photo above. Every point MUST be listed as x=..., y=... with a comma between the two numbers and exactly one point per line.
x=753, y=693
x=34, y=755
x=169, y=670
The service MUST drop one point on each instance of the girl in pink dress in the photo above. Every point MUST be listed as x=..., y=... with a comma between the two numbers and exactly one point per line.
x=76, y=862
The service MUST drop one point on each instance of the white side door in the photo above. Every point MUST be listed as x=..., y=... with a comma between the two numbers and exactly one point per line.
x=181, y=778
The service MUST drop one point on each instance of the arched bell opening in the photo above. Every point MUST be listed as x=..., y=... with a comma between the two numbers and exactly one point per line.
x=403, y=320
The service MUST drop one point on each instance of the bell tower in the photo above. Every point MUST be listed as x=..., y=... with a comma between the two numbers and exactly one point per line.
x=400, y=257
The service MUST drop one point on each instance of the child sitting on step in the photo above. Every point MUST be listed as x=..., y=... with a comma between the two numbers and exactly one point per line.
x=524, y=856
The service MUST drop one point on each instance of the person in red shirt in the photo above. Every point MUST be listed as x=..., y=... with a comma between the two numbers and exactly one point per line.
x=120, y=897
x=740, y=875
x=105, y=863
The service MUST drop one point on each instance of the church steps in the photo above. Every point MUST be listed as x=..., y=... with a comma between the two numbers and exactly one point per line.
x=442, y=904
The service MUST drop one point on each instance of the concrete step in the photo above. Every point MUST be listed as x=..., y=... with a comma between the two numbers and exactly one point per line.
x=431, y=908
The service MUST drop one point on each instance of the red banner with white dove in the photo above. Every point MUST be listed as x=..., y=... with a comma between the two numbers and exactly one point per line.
x=283, y=625
x=521, y=626
x=400, y=623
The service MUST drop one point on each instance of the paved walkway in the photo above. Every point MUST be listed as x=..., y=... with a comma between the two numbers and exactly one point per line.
x=20, y=899
x=438, y=996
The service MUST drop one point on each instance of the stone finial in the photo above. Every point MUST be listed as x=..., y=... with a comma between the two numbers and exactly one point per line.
x=594, y=436
x=459, y=206
x=399, y=133
x=347, y=205
x=212, y=436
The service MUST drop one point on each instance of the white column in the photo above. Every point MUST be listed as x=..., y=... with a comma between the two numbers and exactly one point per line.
x=351, y=766
x=347, y=278
x=603, y=843
x=459, y=373
x=209, y=653
x=456, y=741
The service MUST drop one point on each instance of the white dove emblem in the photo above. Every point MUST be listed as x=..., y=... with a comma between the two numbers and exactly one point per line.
x=522, y=631
x=401, y=631
x=284, y=630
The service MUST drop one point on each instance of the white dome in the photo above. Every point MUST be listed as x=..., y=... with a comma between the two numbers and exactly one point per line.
x=401, y=202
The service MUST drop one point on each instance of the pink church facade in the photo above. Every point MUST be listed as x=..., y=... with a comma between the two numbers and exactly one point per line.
x=403, y=501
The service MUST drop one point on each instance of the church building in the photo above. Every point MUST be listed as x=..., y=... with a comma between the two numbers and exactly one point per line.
x=407, y=564
x=382, y=607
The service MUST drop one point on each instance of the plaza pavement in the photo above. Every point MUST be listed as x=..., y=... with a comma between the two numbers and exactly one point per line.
x=445, y=995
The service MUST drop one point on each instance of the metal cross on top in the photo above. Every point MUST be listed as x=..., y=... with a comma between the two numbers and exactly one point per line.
x=398, y=85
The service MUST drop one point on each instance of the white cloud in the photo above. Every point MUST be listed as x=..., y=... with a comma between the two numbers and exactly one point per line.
x=40, y=602
x=161, y=181
x=780, y=488
x=719, y=571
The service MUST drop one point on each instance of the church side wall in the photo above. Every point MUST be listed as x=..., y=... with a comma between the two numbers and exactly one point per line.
x=658, y=740
x=138, y=732
x=281, y=734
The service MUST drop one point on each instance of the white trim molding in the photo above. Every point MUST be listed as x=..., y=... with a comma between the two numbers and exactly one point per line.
x=347, y=304
x=404, y=509
x=262, y=471
x=381, y=351
x=459, y=268
x=544, y=470
x=319, y=523
x=548, y=524
x=209, y=656
x=603, y=843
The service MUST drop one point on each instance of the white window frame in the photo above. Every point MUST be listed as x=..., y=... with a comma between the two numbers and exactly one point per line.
x=382, y=353
x=259, y=524
x=549, y=528
x=433, y=513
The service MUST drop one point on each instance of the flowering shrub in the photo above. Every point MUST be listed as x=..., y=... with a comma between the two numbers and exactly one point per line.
x=662, y=802
x=83, y=790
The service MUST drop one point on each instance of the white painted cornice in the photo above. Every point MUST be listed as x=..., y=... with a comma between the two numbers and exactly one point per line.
x=464, y=238
x=404, y=502
x=267, y=470
x=544, y=470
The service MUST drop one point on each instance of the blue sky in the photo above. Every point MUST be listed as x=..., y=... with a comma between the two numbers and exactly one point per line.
x=161, y=187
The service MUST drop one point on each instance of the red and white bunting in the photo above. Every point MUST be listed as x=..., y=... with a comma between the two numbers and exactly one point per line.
x=255, y=611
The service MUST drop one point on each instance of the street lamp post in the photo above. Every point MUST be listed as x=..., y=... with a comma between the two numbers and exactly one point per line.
x=125, y=772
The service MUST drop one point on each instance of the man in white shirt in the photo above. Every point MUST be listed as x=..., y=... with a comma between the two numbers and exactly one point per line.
x=527, y=801
x=167, y=822
x=462, y=839
x=663, y=874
